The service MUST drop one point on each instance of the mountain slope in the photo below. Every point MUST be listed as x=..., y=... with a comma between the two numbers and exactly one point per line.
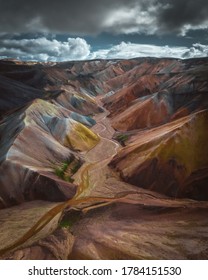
x=112, y=152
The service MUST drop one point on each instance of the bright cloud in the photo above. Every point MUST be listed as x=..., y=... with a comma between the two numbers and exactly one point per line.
x=130, y=50
x=132, y=20
x=43, y=49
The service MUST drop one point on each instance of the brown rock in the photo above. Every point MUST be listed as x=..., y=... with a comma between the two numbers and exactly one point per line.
x=56, y=246
x=125, y=231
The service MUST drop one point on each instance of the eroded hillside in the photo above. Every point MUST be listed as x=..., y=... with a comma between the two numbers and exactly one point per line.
x=104, y=159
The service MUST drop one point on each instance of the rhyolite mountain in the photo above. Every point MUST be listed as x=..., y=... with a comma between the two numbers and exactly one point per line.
x=104, y=159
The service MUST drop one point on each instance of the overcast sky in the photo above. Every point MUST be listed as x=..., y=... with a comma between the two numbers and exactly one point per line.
x=87, y=29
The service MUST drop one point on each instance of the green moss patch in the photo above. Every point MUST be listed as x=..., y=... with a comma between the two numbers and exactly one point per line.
x=70, y=219
x=122, y=138
x=67, y=169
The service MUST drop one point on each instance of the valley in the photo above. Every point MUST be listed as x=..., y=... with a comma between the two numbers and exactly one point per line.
x=104, y=159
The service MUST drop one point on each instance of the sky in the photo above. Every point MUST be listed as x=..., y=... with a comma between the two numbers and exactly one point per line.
x=48, y=30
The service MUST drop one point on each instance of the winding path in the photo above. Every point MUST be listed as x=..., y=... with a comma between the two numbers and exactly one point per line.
x=89, y=178
x=99, y=156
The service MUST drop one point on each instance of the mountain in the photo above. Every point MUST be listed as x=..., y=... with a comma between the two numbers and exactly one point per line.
x=104, y=159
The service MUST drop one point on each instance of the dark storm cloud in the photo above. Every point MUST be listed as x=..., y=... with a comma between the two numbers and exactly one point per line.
x=71, y=16
x=178, y=13
x=82, y=17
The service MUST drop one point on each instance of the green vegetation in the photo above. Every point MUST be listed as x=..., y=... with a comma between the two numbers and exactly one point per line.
x=76, y=167
x=67, y=169
x=60, y=171
x=69, y=220
x=122, y=138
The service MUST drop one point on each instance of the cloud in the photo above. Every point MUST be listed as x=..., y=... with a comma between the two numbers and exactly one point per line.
x=43, y=49
x=93, y=17
x=137, y=19
x=197, y=50
x=64, y=16
x=180, y=16
x=130, y=50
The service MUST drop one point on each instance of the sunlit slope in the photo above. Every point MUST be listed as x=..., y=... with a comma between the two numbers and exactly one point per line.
x=47, y=139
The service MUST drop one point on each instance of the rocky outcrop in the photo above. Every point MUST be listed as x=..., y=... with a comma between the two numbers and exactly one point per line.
x=40, y=137
x=169, y=158
x=56, y=246
x=154, y=95
x=144, y=112
x=126, y=231
x=49, y=137
x=17, y=220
